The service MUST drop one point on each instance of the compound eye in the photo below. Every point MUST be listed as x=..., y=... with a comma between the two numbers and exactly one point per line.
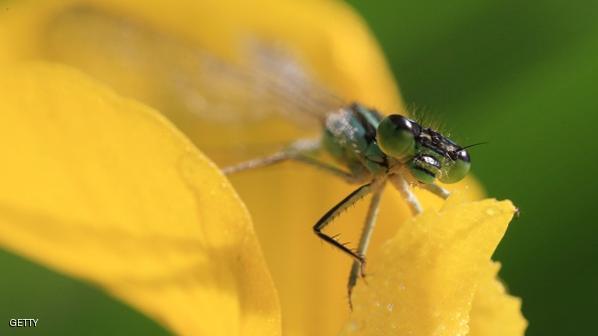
x=455, y=170
x=395, y=136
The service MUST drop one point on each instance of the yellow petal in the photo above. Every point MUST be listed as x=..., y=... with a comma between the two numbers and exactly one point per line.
x=494, y=312
x=426, y=277
x=104, y=189
x=143, y=49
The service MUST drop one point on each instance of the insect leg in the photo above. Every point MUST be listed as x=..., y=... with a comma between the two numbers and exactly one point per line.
x=370, y=222
x=355, y=196
x=403, y=187
x=300, y=147
x=437, y=190
x=257, y=163
x=299, y=152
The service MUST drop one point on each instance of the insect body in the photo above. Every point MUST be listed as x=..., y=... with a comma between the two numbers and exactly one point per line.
x=374, y=150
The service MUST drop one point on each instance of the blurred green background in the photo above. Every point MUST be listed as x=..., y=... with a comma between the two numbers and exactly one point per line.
x=522, y=76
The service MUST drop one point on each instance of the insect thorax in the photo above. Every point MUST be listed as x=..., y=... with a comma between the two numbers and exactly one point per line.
x=350, y=137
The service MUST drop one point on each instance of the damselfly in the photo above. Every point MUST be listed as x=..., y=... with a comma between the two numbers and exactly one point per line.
x=374, y=150
x=199, y=89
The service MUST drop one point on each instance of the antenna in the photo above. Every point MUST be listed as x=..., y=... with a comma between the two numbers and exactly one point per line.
x=473, y=145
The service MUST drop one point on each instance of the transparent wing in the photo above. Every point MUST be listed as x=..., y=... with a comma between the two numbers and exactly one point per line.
x=210, y=98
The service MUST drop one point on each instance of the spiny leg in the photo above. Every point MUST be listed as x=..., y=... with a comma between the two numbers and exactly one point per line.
x=355, y=196
x=403, y=187
x=437, y=190
x=366, y=234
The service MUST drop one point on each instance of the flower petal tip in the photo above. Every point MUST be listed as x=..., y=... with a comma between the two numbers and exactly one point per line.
x=425, y=279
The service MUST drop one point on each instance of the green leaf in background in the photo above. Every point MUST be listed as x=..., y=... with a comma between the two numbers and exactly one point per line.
x=64, y=306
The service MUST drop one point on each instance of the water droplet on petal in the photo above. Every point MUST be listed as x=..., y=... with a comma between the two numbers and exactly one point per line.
x=490, y=211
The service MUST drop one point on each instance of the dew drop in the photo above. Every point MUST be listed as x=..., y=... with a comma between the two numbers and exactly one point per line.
x=490, y=211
